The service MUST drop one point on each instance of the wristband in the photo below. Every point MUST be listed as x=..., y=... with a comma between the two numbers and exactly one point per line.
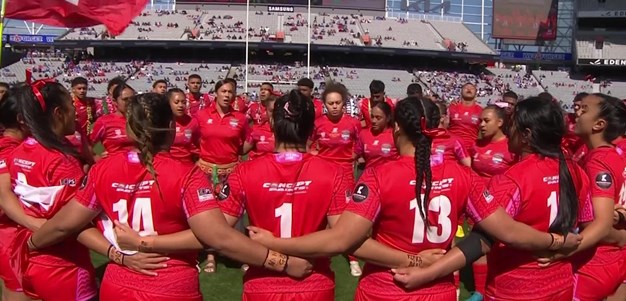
x=31, y=245
x=118, y=257
x=414, y=260
x=275, y=261
x=109, y=251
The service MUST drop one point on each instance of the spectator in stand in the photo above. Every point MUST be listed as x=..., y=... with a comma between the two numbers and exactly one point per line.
x=159, y=87
x=414, y=90
x=196, y=100
x=465, y=116
x=306, y=85
x=377, y=94
x=4, y=87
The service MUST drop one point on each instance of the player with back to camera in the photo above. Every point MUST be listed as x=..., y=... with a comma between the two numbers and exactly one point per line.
x=44, y=172
x=555, y=198
x=375, y=144
x=156, y=194
x=185, y=146
x=110, y=129
x=12, y=135
x=403, y=216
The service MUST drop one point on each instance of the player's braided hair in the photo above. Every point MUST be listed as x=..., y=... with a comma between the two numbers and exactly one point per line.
x=543, y=120
x=408, y=115
x=294, y=119
x=148, y=122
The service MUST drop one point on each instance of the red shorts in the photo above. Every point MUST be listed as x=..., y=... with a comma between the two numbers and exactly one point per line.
x=325, y=295
x=6, y=272
x=363, y=295
x=113, y=292
x=596, y=282
x=564, y=295
x=55, y=283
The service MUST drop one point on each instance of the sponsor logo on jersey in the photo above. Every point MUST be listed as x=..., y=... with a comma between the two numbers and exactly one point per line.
x=23, y=163
x=205, y=194
x=3, y=164
x=262, y=139
x=68, y=182
x=386, y=148
x=604, y=180
x=129, y=188
x=437, y=185
x=361, y=192
x=224, y=192
x=440, y=149
x=487, y=195
x=497, y=158
x=188, y=134
x=551, y=180
x=475, y=118
x=83, y=183
x=298, y=187
x=233, y=123
x=345, y=135
x=210, y=121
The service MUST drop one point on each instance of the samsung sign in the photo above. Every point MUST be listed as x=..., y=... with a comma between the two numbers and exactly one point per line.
x=27, y=39
x=603, y=62
x=535, y=56
x=280, y=9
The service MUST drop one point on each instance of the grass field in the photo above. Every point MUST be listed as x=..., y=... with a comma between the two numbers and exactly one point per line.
x=226, y=283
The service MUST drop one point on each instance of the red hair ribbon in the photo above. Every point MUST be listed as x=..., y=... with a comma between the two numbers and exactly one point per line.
x=431, y=133
x=36, y=87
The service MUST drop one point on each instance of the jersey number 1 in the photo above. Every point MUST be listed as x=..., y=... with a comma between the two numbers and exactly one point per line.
x=142, y=212
x=284, y=212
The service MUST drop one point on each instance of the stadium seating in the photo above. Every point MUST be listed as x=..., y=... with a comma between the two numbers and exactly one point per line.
x=559, y=84
x=595, y=5
x=357, y=80
x=228, y=24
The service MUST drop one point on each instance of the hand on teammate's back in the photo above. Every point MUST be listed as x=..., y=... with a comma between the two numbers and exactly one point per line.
x=145, y=263
x=127, y=238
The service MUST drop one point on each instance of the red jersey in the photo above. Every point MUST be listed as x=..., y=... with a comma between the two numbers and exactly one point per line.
x=293, y=198
x=529, y=192
x=239, y=105
x=335, y=141
x=366, y=109
x=388, y=200
x=108, y=101
x=262, y=138
x=111, y=131
x=7, y=145
x=257, y=113
x=196, y=104
x=122, y=189
x=87, y=111
x=448, y=147
x=185, y=144
x=376, y=149
x=464, y=122
x=620, y=143
x=318, y=105
x=606, y=167
x=221, y=138
x=45, y=180
x=491, y=158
